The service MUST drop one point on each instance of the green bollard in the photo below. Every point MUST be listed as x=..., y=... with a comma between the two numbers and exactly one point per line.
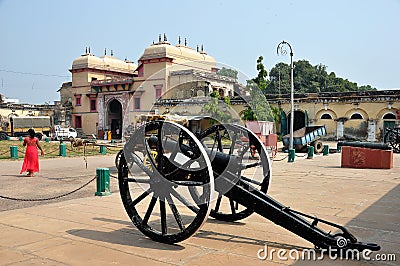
x=310, y=152
x=8, y=138
x=63, y=150
x=292, y=154
x=112, y=141
x=14, y=152
x=325, y=151
x=103, y=182
x=47, y=140
x=339, y=149
x=21, y=138
x=103, y=150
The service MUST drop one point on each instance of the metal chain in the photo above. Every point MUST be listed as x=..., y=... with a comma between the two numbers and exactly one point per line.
x=280, y=159
x=4, y=153
x=113, y=176
x=301, y=155
x=51, y=198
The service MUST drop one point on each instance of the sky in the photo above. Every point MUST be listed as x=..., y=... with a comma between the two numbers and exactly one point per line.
x=356, y=39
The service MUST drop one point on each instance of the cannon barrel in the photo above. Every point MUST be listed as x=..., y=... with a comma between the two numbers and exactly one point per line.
x=369, y=145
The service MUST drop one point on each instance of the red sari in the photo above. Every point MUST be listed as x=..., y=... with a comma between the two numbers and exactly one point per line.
x=31, y=160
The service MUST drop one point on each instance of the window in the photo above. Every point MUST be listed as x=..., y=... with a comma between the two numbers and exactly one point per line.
x=136, y=104
x=93, y=79
x=326, y=116
x=158, y=89
x=140, y=71
x=78, y=100
x=356, y=116
x=78, y=122
x=389, y=116
x=93, y=105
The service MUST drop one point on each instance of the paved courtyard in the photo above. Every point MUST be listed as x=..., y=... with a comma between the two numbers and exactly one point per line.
x=87, y=230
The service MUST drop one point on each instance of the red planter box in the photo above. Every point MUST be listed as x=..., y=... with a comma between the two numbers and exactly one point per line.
x=354, y=157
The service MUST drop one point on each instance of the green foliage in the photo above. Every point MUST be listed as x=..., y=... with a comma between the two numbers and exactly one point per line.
x=258, y=108
x=215, y=109
x=227, y=72
x=261, y=79
x=308, y=79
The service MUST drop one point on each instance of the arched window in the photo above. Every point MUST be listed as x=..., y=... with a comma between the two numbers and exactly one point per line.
x=356, y=116
x=326, y=116
x=389, y=116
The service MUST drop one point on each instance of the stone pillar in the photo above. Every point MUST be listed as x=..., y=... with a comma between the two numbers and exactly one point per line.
x=340, y=129
x=371, y=130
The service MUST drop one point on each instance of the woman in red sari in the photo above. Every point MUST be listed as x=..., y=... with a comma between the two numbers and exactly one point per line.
x=31, y=160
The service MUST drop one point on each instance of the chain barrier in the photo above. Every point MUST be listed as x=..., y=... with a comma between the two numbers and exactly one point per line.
x=114, y=176
x=4, y=153
x=301, y=155
x=51, y=198
x=277, y=160
x=21, y=151
x=50, y=152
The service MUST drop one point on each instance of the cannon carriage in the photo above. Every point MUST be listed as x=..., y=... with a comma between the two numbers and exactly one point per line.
x=172, y=179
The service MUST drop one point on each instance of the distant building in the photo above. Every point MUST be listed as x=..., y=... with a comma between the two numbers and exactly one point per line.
x=110, y=94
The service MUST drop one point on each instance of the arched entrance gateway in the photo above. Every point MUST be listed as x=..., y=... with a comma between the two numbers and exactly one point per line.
x=114, y=118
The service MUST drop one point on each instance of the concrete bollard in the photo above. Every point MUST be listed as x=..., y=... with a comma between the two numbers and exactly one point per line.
x=291, y=155
x=325, y=151
x=63, y=150
x=103, y=150
x=310, y=152
x=14, y=152
x=102, y=182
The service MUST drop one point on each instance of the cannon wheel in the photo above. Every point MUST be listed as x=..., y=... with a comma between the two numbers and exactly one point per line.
x=234, y=140
x=160, y=173
x=118, y=158
x=392, y=138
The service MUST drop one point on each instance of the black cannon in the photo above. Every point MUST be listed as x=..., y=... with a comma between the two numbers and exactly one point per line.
x=392, y=138
x=171, y=180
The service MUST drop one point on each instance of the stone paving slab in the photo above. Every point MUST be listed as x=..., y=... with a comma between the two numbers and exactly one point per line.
x=97, y=231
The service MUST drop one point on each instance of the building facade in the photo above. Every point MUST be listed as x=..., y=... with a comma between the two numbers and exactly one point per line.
x=108, y=94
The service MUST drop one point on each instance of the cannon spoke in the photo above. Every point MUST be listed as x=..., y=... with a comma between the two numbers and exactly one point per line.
x=149, y=210
x=163, y=216
x=141, y=197
x=175, y=212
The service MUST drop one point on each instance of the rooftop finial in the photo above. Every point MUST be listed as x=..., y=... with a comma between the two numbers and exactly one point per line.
x=105, y=51
x=185, y=42
x=197, y=48
x=112, y=52
x=202, y=48
x=86, y=50
x=165, y=37
x=179, y=39
x=159, y=37
x=153, y=41
x=89, y=49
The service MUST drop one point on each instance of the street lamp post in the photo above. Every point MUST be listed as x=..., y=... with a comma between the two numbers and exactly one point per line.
x=280, y=49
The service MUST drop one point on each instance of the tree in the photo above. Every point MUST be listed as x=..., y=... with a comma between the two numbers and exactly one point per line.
x=227, y=72
x=215, y=108
x=261, y=79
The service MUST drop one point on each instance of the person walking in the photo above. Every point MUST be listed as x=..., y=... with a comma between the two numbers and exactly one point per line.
x=31, y=160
